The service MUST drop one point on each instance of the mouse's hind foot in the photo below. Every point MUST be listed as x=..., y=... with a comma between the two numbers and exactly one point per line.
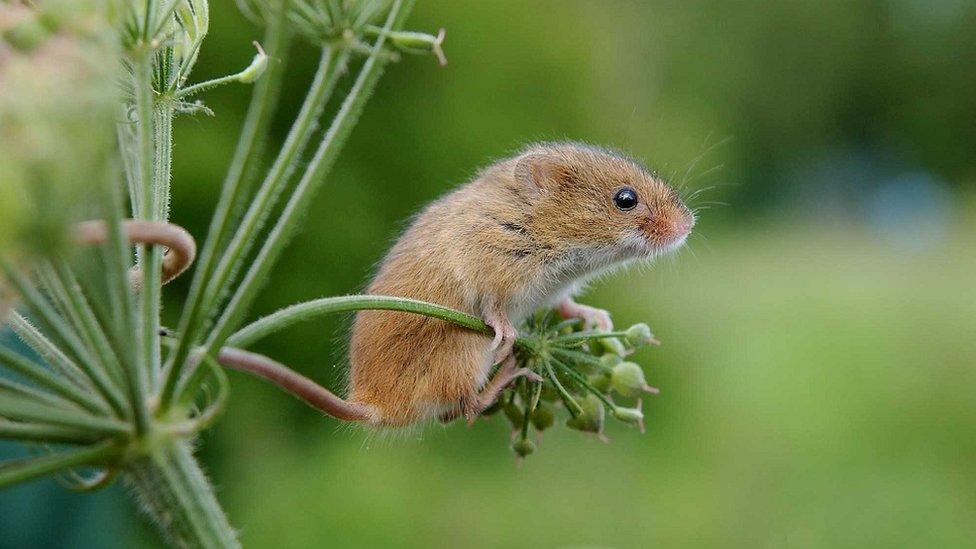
x=473, y=407
x=502, y=379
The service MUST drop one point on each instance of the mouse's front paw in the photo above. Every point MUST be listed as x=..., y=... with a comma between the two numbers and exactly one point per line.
x=505, y=334
x=591, y=316
x=503, y=342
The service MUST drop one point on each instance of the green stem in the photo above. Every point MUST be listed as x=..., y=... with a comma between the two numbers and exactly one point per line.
x=31, y=468
x=162, y=159
x=147, y=24
x=50, y=380
x=323, y=160
x=178, y=497
x=589, y=336
x=328, y=305
x=56, y=325
x=52, y=355
x=149, y=257
x=574, y=408
x=32, y=432
x=37, y=395
x=118, y=261
x=21, y=408
x=578, y=378
x=88, y=324
x=200, y=87
x=127, y=149
x=209, y=272
x=152, y=283
x=326, y=78
x=582, y=357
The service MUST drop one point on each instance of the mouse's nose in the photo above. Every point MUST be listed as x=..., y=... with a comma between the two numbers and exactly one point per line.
x=683, y=224
x=668, y=225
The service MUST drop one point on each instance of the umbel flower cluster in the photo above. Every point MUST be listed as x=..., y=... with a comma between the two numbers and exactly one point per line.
x=583, y=373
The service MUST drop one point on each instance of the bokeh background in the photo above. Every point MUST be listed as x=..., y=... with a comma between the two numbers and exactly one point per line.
x=819, y=359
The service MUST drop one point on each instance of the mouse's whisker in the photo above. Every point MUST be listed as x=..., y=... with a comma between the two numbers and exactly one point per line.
x=708, y=149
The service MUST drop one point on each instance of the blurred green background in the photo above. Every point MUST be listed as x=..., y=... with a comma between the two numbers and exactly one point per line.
x=819, y=359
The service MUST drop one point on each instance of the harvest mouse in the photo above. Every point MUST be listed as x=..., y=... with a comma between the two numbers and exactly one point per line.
x=526, y=233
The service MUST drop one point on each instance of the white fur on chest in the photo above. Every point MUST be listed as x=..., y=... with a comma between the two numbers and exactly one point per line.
x=566, y=277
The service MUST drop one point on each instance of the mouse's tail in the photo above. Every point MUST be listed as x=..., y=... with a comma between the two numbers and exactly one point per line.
x=302, y=387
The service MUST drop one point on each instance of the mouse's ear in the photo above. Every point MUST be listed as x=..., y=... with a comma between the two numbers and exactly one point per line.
x=545, y=172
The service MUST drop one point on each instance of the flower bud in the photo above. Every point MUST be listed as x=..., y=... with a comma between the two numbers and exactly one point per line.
x=640, y=334
x=420, y=42
x=610, y=359
x=256, y=68
x=542, y=417
x=514, y=414
x=634, y=416
x=613, y=345
x=600, y=381
x=549, y=393
x=628, y=380
x=523, y=447
x=593, y=417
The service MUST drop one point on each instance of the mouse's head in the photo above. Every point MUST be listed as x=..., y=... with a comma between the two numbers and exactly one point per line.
x=593, y=198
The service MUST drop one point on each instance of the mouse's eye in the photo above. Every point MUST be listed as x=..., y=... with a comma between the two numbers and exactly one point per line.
x=625, y=199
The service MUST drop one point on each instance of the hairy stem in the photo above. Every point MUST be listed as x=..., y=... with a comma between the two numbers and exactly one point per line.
x=67, y=339
x=21, y=408
x=152, y=280
x=323, y=160
x=13, y=473
x=308, y=310
x=178, y=497
x=246, y=157
x=88, y=324
x=32, y=432
x=149, y=257
x=331, y=69
x=54, y=357
x=51, y=380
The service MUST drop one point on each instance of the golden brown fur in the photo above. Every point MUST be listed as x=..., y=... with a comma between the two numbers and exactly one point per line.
x=525, y=233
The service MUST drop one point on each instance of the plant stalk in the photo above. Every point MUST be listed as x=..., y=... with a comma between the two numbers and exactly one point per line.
x=177, y=496
x=246, y=157
x=13, y=473
x=149, y=256
x=322, y=161
x=311, y=309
